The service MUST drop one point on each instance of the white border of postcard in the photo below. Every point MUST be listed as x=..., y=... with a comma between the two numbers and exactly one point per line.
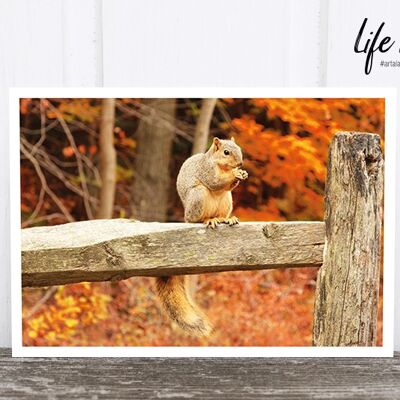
x=18, y=350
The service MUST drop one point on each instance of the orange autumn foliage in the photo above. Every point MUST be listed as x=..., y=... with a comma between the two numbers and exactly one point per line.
x=73, y=308
x=289, y=155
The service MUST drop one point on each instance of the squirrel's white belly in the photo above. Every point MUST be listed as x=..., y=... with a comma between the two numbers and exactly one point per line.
x=217, y=205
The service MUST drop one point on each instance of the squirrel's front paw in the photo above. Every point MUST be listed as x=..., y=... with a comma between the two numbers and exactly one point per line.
x=231, y=221
x=212, y=222
x=241, y=174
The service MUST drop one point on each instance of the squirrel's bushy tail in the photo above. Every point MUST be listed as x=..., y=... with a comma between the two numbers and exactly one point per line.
x=180, y=307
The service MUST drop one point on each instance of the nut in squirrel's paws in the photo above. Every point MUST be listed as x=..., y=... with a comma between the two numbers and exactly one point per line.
x=241, y=174
x=212, y=222
x=231, y=221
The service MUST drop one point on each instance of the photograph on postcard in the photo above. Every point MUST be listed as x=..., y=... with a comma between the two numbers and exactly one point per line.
x=153, y=222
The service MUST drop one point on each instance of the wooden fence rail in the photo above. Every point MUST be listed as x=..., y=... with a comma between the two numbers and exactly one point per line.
x=348, y=244
x=102, y=250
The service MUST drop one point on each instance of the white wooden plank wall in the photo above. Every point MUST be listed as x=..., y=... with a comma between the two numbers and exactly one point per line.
x=174, y=43
x=211, y=43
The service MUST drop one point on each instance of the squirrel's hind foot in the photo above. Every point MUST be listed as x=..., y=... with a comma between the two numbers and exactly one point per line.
x=212, y=222
x=231, y=221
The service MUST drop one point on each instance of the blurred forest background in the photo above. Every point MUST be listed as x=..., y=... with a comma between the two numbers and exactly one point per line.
x=119, y=158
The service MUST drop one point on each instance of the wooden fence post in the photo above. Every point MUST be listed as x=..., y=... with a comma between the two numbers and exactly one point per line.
x=348, y=282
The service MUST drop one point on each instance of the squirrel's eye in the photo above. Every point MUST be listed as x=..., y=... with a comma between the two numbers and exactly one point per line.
x=226, y=152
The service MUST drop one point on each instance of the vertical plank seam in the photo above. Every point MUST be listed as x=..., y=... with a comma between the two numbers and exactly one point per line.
x=98, y=15
x=63, y=36
x=323, y=42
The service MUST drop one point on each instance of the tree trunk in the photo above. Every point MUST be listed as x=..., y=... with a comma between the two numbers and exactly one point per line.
x=203, y=126
x=348, y=282
x=201, y=135
x=108, y=160
x=152, y=176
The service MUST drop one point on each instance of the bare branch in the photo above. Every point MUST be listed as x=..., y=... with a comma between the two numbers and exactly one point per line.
x=49, y=292
x=45, y=161
x=43, y=181
x=47, y=128
x=78, y=156
x=156, y=118
x=36, y=210
x=45, y=218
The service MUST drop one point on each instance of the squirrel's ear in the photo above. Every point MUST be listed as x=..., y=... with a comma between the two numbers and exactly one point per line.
x=233, y=139
x=216, y=143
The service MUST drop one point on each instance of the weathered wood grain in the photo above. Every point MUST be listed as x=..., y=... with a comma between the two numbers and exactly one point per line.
x=189, y=378
x=347, y=291
x=102, y=250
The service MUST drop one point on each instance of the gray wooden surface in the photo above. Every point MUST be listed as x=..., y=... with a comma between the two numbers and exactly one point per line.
x=123, y=378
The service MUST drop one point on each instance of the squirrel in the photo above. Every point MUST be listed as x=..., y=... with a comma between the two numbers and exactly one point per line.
x=205, y=183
